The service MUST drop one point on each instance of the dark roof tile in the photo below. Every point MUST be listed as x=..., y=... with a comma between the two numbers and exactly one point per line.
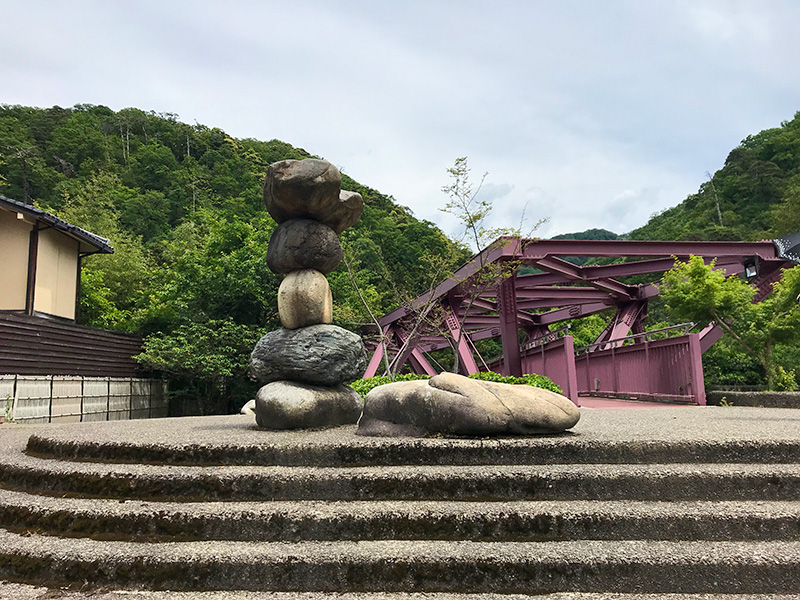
x=100, y=244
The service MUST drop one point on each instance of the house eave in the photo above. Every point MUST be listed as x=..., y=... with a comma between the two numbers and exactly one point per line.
x=90, y=243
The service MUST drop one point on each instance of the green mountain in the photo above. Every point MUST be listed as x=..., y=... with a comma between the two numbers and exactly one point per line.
x=182, y=206
x=589, y=234
x=755, y=195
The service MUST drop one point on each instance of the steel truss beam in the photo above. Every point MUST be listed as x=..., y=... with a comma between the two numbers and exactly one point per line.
x=575, y=273
x=563, y=291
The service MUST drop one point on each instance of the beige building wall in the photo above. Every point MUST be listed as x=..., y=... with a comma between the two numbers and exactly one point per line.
x=14, y=241
x=56, y=274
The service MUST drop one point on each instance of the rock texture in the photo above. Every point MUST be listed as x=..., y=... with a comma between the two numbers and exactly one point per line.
x=304, y=298
x=319, y=354
x=292, y=405
x=456, y=405
x=310, y=188
x=346, y=213
x=303, y=244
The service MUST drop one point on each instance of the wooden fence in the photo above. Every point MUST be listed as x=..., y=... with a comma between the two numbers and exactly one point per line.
x=33, y=345
x=71, y=399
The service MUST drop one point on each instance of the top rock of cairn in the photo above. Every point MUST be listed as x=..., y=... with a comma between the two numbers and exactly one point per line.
x=310, y=189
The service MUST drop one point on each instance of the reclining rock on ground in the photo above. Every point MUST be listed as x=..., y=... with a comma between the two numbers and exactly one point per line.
x=452, y=404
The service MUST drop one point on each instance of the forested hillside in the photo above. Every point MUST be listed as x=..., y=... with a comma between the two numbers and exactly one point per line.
x=755, y=195
x=182, y=206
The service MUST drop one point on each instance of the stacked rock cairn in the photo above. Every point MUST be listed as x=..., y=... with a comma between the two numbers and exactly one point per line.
x=307, y=364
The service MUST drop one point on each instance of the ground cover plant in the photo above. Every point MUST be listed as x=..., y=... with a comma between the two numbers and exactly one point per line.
x=363, y=386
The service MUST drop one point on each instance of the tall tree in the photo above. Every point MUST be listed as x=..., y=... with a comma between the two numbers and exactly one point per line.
x=698, y=292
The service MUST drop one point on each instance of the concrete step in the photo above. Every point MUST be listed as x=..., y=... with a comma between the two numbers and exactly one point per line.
x=676, y=503
x=399, y=566
x=480, y=482
x=13, y=591
x=687, y=436
x=137, y=520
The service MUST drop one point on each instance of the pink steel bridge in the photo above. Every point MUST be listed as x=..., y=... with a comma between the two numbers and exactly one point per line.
x=487, y=297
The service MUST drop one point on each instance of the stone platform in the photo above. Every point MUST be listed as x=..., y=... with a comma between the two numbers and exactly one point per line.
x=695, y=501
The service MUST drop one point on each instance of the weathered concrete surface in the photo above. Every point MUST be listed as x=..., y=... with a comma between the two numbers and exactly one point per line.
x=757, y=399
x=665, y=435
x=14, y=591
x=678, y=481
x=398, y=565
x=568, y=521
x=519, y=520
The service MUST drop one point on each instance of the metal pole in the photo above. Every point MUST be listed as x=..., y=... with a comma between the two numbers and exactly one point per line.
x=509, y=327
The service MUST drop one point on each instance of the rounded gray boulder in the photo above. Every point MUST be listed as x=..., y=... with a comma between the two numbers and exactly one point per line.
x=292, y=405
x=324, y=355
x=456, y=405
x=300, y=188
x=303, y=244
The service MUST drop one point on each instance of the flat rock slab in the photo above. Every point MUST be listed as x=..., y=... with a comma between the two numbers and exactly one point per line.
x=319, y=354
x=452, y=404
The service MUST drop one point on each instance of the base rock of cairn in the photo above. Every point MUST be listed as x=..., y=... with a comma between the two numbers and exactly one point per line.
x=292, y=405
x=307, y=363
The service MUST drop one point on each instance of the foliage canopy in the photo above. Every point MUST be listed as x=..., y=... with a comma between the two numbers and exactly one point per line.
x=182, y=206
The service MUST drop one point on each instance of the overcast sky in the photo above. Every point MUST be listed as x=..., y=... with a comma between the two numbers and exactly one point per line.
x=595, y=113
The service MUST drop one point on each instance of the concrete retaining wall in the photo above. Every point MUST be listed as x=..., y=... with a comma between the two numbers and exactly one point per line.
x=765, y=399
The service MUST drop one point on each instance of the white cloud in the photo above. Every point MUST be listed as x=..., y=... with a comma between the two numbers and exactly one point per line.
x=607, y=111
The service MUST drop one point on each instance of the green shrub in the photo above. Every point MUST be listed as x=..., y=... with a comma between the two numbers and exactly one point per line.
x=363, y=386
x=783, y=380
x=532, y=379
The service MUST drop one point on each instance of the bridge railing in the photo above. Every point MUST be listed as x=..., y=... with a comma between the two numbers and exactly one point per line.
x=668, y=369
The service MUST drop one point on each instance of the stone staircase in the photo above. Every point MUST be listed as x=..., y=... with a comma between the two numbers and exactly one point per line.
x=686, y=501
